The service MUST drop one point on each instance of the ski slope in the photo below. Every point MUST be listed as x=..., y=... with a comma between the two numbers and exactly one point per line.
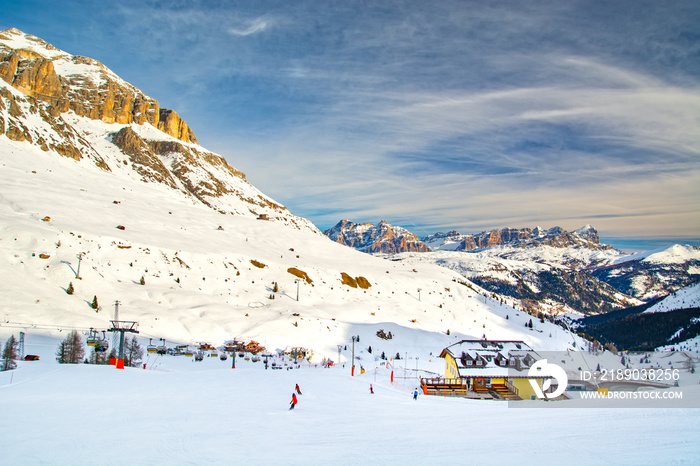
x=180, y=412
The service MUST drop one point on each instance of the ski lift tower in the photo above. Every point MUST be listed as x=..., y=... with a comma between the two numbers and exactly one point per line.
x=21, y=345
x=122, y=326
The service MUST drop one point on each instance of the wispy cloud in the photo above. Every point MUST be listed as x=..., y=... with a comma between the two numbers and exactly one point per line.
x=252, y=27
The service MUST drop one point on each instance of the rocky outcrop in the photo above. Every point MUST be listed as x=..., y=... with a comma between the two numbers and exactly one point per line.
x=171, y=123
x=19, y=114
x=381, y=238
x=35, y=77
x=142, y=157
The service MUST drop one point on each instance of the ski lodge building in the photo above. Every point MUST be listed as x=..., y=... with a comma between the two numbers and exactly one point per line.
x=486, y=369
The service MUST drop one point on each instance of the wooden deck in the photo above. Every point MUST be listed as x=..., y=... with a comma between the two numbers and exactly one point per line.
x=458, y=387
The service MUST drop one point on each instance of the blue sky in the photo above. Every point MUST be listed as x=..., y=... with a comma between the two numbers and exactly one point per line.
x=466, y=115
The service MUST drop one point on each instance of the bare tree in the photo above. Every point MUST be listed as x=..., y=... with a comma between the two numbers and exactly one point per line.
x=71, y=350
x=98, y=357
x=133, y=353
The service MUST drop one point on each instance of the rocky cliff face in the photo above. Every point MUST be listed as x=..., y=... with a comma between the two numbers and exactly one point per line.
x=380, y=238
x=47, y=94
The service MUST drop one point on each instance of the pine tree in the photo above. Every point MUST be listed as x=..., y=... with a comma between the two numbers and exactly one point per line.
x=9, y=354
x=95, y=306
x=369, y=350
x=70, y=289
x=70, y=350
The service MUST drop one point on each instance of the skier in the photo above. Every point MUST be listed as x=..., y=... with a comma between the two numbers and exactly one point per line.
x=415, y=394
x=296, y=387
x=371, y=390
x=293, y=402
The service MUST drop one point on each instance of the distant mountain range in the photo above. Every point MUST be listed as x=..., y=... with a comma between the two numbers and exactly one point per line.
x=550, y=270
x=521, y=237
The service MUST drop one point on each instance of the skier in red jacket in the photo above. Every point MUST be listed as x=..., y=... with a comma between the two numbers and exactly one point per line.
x=297, y=389
x=294, y=401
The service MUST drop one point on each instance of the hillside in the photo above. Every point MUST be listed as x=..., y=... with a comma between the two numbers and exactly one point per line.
x=218, y=258
x=671, y=323
x=543, y=278
x=655, y=273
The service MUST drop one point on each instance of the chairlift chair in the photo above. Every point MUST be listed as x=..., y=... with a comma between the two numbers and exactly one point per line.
x=102, y=344
x=151, y=347
x=99, y=343
x=93, y=337
x=162, y=349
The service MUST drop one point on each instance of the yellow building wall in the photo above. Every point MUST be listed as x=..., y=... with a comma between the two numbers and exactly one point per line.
x=451, y=371
x=525, y=390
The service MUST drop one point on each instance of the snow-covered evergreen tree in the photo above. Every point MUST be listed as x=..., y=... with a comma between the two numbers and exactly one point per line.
x=9, y=354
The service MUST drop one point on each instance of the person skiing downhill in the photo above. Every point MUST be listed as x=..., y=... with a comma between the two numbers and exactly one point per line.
x=371, y=390
x=415, y=394
x=293, y=402
x=296, y=387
